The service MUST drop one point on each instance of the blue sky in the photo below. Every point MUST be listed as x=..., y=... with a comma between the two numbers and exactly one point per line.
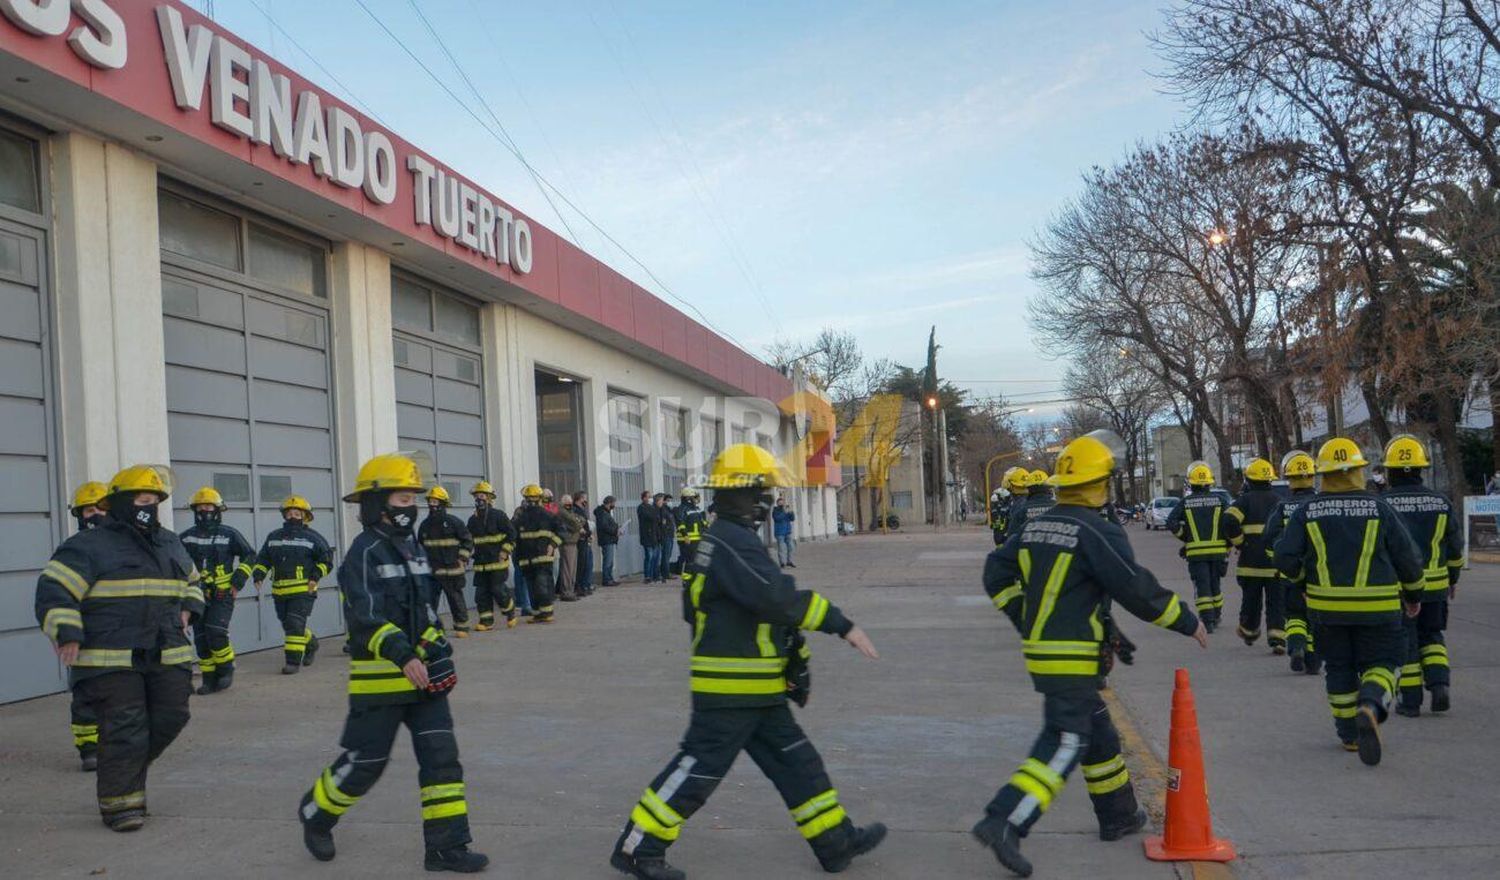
x=876, y=166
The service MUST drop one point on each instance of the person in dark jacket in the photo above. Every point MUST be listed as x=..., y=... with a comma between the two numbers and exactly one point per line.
x=1054, y=579
x=494, y=538
x=609, y=539
x=538, y=535
x=570, y=526
x=116, y=602
x=666, y=536
x=1199, y=522
x=649, y=525
x=449, y=547
x=296, y=557
x=400, y=673
x=585, y=544
x=691, y=522
x=225, y=562
x=1037, y=500
x=1260, y=582
x=782, y=518
x=744, y=614
x=1300, y=472
x=1360, y=569
x=88, y=512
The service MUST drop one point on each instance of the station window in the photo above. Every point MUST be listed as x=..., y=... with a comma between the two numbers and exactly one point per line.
x=19, y=178
x=198, y=231
x=286, y=262
x=417, y=307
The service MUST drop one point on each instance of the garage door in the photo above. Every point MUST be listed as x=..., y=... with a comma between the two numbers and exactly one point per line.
x=33, y=522
x=440, y=384
x=249, y=379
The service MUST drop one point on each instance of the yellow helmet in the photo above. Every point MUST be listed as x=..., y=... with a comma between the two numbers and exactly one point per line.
x=390, y=472
x=438, y=493
x=1260, y=470
x=1406, y=451
x=532, y=492
x=1200, y=474
x=1297, y=465
x=1088, y=459
x=1338, y=455
x=1037, y=477
x=1015, y=478
x=207, y=495
x=143, y=478
x=483, y=487
x=746, y=466
x=90, y=494
x=297, y=502
x=688, y=492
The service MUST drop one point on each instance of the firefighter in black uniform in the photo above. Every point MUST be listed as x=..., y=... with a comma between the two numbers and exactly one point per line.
x=539, y=534
x=1199, y=521
x=691, y=523
x=745, y=614
x=225, y=561
x=1360, y=570
x=1260, y=582
x=400, y=672
x=1299, y=470
x=449, y=548
x=1037, y=500
x=296, y=558
x=88, y=510
x=1014, y=484
x=494, y=540
x=1435, y=526
x=999, y=505
x=116, y=601
x=1062, y=570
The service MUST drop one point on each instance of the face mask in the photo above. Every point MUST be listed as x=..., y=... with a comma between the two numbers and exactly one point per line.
x=207, y=517
x=435, y=509
x=481, y=503
x=90, y=522
x=291, y=523
x=403, y=518
x=762, y=509
x=144, y=517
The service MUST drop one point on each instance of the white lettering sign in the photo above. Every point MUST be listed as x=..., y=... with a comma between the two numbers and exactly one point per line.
x=462, y=213
x=99, y=41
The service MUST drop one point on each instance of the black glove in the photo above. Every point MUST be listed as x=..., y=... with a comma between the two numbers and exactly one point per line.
x=437, y=654
x=798, y=669
x=1224, y=567
x=1182, y=552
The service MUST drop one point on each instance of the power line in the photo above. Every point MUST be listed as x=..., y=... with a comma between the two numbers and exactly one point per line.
x=271, y=19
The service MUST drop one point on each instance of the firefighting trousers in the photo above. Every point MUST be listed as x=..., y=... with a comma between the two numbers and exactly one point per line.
x=1266, y=594
x=451, y=587
x=714, y=739
x=1209, y=597
x=1426, y=652
x=140, y=712
x=1076, y=729
x=293, y=612
x=85, y=725
x=1299, y=634
x=491, y=594
x=211, y=636
x=369, y=733
x=539, y=583
x=1359, y=668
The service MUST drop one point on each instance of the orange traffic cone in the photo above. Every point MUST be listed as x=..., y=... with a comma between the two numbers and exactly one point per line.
x=1189, y=833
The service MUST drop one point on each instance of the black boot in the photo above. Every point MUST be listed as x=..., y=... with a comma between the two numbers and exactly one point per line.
x=1410, y=710
x=1368, y=725
x=226, y=678
x=1314, y=663
x=1299, y=662
x=319, y=842
x=1439, y=698
x=311, y=652
x=1005, y=843
x=291, y=669
x=126, y=820
x=858, y=842
x=458, y=860
x=88, y=761
x=645, y=867
x=1117, y=830
x=209, y=685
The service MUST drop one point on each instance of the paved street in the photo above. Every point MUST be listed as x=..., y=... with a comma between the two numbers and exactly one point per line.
x=561, y=728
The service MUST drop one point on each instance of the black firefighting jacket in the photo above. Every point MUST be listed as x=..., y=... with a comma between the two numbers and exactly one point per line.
x=1354, y=557
x=1250, y=511
x=1055, y=578
x=494, y=539
x=539, y=533
x=999, y=510
x=1436, y=528
x=743, y=610
x=293, y=555
x=691, y=521
x=1038, y=500
x=389, y=593
x=1276, y=522
x=120, y=594
x=1200, y=522
x=224, y=558
x=447, y=542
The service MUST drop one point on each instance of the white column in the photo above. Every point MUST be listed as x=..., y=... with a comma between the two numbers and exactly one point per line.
x=364, y=372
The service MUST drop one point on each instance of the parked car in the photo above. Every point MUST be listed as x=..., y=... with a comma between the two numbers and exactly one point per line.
x=1160, y=509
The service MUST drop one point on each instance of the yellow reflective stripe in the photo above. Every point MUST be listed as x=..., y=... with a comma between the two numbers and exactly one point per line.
x=648, y=823
x=447, y=790
x=1218, y=512
x=1104, y=768
x=488, y=539
x=139, y=588
x=1436, y=551
x=378, y=638
x=103, y=657
x=57, y=618
x=325, y=801
x=440, y=542
x=1049, y=593
x=699, y=619
x=1248, y=571
x=826, y=822
x=1024, y=560
x=179, y=654
x=70, y=580
x=1105, y=786
x=123, y=802
x=659, y=808
x=1047, y=646
x=332, y=792
x=744, y=686
x=445, y=811
x=542, y=533
x=739, y=664
x=1253, y=530
x=1192, y=525
x=1006, y=596
x=817, y=610
x=763, y=640
x=1062, y=667
x=815, y=805
x=1173, y=612
x=1369, y=599
x=1034, y=788
x=369, y=686
x=1366, y=553
x=1315, y=534
x=1043, y=774
x=1237, y=514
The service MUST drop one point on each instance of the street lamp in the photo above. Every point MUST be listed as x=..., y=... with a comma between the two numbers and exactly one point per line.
x=1217, y=237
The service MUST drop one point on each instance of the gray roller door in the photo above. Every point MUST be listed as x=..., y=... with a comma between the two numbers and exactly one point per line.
x=32, y=522
x=250, y=412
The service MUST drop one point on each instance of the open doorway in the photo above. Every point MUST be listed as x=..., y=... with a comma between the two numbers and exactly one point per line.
x=559, y=428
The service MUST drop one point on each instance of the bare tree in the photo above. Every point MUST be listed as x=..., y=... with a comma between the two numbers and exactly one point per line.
x=1128, y=397
x=832, y=361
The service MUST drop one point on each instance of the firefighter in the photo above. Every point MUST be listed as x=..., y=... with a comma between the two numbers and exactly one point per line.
x=1360, y=570
x=1014, y=484
x=744, y=612
x=88, y=511
x=116, y=601
x=296, y=557
x=1200, y=523
x=538, y=537
x=449, y=547
x=1063, y=570
x=1435, y=526
x=1038, y=499
x=1299, y=470
x=400, y=672
x=691, y=522
x=225, y=561
x=998, y=508
x=1260, y=583
x=494, y=540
